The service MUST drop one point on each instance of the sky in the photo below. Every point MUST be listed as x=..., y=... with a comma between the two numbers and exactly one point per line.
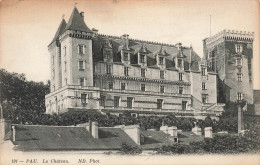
x=28, y=26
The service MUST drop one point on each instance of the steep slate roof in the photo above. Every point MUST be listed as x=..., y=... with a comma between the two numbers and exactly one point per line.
x=68, y=138
x=186, y=137
x=59, y=31
x=76, y=22
x=152, y=50
x=154, y=139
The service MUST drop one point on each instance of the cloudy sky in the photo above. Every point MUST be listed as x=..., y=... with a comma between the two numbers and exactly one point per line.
x=28, y=26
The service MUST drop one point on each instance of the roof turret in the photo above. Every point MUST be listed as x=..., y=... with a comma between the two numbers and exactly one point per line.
x=59, y=31
x=76, y=22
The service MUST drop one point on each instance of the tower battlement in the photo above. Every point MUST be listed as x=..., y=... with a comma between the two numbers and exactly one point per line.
x=231, y=35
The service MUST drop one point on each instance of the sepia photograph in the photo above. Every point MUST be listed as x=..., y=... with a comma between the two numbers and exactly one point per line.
x=129, y=82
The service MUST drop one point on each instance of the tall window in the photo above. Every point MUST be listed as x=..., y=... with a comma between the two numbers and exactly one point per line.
x=142, y=87
x=125, y=56
x=81, y=65
x=129, y=101
x=142, y=57
x=184, y=105
x=81, y=49
x=239, y=61
x=203, y=85
x=66, y=81
x=81, y=82
x=108, y=54
x=116, y=101
x=203, y=71
x=108, y=69
x=65, y=51
x=204, y=98
x=161, y=60
x=52, y=59
x=161, y=88
x=239, y=77
x=53, y=74
x=83, y=98
x=162, y=74
x=181, y=90
x=126, y=69
x=123, y=86
x=239, y=96
x=238, y=48
x=102, y=100
x=159, y=103
x=180, y=76
x=110, y=85
x=65, y=66
x=142, y=72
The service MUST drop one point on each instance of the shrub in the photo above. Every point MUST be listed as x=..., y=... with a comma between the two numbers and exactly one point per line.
x=173, y=149
x=130, y=150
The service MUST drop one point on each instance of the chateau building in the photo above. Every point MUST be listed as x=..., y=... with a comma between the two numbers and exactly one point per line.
x=230, y=54
x=118, y=74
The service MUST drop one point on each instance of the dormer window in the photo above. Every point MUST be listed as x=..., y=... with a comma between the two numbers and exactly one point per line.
x=161, y=60
x=125, y=56
x=142, y=58
x=180, y=63
x=108, y=54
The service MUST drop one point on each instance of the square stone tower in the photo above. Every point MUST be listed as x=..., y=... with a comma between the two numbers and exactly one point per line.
x=72, y=67
x=230, y=54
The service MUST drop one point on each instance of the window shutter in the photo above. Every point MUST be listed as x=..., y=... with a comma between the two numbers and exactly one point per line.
x=78, y=65
x=78, y=48
x=87, y=97
x=79, y=81
x=84, y=64
x=85, y=81
x=84, y=49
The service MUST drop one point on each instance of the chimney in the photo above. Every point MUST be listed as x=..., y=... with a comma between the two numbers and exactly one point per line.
x=208, y=132
x=126, y=39
x=133, y=131
x=196, y=130
x=179, y=46
x=94, y=131
x=82, y=15
x=95, y=32
x=164, y=129
x=173, y=131
x=14, y=132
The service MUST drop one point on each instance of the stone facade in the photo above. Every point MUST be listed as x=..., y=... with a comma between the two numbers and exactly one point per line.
x=230, y=54
x=117, y=74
